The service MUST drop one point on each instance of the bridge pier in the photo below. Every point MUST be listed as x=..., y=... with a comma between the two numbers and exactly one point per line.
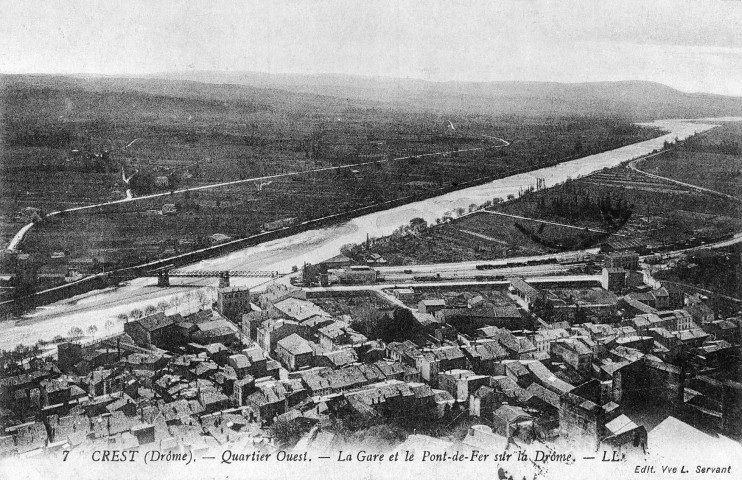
x=163, y=278
x=224, y=279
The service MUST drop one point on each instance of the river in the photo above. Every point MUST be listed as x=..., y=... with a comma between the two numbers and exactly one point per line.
x=97, y=307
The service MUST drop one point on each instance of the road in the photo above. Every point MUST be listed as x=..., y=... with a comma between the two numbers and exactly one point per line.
x=453, y=283
x=634, y=166
x=453, y=271
x=18, y=237
x=583, y=229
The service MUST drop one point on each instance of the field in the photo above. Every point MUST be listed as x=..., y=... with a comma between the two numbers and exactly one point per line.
x=712, y=161
x=70, y=142
x=624, y=203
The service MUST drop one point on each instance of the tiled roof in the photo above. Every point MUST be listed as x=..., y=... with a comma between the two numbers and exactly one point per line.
x=295, y=345
x=155, y=321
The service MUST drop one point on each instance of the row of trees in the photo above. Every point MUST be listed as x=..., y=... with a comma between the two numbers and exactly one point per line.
x=200, y=296
x=613, y=212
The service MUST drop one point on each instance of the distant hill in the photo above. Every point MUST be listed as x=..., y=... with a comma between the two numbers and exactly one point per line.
x=637, y=100
x=632, y=100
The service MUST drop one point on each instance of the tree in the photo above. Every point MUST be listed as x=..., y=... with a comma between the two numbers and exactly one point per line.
x=175, y=302
x=75, y=332
x=310, y=274
x=203, y=298
x=398, y=326
x=136, y=313
x=543, y=308
x=149, y=310
x=288, y=432
x=162, y=305
x=92, y=329
x=108, y=324
x=122, y=317
x=418, y=224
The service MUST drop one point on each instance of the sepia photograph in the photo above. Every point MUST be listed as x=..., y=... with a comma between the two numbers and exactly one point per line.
x=341, y=239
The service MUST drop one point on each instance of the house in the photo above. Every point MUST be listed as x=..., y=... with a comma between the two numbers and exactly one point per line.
x=274, y=398
x=622, y=259
x=338, y=261
x=337, y=358
x=483, y=402
x=103, y=382
x=517, y=347
x=623, y=434
x=404, y=294
x=258, y=361
x=218, y=353
x=276, y=292
x=405, y=352
x=393, y=398
x=547, y=379
x=169, y=209
x=574, y=353
x=510, y=421
x=294, y=352
x=700, y=313
x=240, y=365
x=336, y=334
x=157, y=329
x=242, y=388
x=55, y=391
x=613, y=279
x=213, y=401
x=727, y=330
x=295, y=309
x=204, y=370
x=661, y=298
x=395, y=371
x=219, y=330
x=251, y=321
x=461, y=383
x=636, y=306
x=484, y=355
x=524, y=291
x=484, y=313
x=581, y=421
x=123, y=404
x=432, y=361
x=676, y=319
x=233, y=302
x=431, y=305
x=623, y=245
x=543, y=338
x=271, y=331
x=356, y=274
x=145, y=361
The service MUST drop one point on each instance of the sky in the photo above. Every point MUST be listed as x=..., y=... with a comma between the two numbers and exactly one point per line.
x=695, y=46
